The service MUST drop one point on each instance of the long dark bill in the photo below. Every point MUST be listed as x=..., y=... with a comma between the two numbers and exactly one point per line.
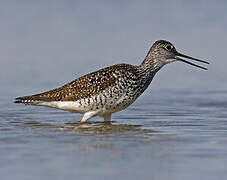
x=182, y=55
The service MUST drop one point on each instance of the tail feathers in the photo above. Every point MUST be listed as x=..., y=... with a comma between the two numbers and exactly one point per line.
x=31, y=99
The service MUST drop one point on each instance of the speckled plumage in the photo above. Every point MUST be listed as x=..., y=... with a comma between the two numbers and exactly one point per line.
x=107, y=90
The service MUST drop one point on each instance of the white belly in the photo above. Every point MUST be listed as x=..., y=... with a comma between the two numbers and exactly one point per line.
x=102, y=103
x=72, y=106
x=77, y=107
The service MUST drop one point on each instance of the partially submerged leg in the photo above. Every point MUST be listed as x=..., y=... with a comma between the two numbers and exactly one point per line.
x=107, y=117
x=88, y=115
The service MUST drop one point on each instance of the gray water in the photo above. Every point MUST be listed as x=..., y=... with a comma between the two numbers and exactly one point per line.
x=164, y=135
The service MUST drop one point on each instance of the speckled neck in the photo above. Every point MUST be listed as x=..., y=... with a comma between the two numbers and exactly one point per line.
x=151, y=63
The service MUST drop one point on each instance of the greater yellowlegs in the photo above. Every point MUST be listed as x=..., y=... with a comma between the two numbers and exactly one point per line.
x=110, y=89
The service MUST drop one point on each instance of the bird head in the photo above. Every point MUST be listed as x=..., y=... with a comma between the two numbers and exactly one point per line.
x=163, y=52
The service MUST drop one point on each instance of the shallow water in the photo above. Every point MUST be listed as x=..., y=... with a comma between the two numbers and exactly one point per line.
x=164, y=135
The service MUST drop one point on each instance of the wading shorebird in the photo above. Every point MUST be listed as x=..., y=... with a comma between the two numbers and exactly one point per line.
x=110, y=89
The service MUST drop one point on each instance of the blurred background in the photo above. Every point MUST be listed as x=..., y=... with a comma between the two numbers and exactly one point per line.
x=176, y=130
x=45, y=44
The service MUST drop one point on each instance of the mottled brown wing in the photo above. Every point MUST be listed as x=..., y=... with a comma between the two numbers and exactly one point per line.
x=82, y=87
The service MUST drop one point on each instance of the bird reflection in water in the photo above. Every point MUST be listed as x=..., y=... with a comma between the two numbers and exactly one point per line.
x=88, y=128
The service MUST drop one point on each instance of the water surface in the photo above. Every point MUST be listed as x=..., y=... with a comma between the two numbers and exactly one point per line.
x=164, y=135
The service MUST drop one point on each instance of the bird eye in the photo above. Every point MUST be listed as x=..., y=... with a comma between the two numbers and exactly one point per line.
x=168, y=47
